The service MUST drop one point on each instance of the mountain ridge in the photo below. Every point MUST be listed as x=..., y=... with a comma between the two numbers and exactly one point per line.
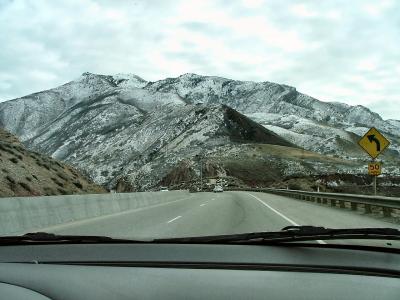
x=122, y=126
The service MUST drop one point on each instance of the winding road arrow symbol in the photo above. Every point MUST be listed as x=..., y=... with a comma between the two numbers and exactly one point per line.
x=372, y=138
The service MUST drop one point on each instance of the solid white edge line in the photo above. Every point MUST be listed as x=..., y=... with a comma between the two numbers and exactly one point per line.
x=202, y=204
x=281, y=214
x=176, y=218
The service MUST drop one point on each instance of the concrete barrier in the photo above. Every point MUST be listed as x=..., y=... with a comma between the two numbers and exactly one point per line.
x=22, y=214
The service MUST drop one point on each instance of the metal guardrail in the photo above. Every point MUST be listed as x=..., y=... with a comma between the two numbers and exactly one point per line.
x=385, y=204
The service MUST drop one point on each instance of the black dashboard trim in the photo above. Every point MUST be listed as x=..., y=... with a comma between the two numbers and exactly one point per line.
x=237, y=266
x=288, y=245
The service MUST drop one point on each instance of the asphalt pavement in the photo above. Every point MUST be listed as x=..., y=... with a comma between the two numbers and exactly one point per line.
x=219, y=213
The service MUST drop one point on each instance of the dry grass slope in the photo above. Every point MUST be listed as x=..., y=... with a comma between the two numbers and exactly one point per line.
x=26, y=173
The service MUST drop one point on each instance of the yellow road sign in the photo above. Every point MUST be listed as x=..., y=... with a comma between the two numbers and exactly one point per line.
x=375, y=169
x=373, y=142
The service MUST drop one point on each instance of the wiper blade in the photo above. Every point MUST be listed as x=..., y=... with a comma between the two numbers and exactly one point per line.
x=294, y=234
x=287, y=234
x=51, y=238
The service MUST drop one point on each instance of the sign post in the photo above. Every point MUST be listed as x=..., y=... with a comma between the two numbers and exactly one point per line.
x=374, y=143
x=201, y=175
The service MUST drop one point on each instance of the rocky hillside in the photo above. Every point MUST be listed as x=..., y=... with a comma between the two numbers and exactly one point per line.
x=129, y=134
x=327, y=128
x=143, y=145
x=27, y=173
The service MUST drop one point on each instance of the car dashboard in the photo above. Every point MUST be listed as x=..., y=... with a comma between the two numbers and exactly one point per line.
x=196, y=271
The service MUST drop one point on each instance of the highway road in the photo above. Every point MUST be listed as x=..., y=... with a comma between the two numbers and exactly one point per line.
x=202, y=214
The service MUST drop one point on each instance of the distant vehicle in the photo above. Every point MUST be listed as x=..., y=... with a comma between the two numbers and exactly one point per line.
x=163, y=189
x=218, y=189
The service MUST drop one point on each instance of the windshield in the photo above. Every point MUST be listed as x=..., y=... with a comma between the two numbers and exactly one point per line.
x=160, y=119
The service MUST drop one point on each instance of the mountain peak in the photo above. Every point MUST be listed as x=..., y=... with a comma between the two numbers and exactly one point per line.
x=129, y=76
x=188, y=75
x=128, y=80
x=202, y=77
x=90, y=77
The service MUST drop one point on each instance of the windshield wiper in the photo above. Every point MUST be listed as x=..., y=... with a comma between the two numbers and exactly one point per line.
x=51, y=238
x=287, y=234
x=294, y=234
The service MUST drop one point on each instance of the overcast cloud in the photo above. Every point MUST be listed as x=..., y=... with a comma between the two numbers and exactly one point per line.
x=345, y=51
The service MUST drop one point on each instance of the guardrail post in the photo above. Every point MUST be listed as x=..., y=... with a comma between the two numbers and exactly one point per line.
x=367, y=208
x=324, y=200
x=387, y=212
x=333, y=202
x=342, y=204
x=353, y=206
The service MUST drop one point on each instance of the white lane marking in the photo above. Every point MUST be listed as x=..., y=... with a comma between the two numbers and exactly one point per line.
x=176, y=218
x=281, y=214
x=202, y=204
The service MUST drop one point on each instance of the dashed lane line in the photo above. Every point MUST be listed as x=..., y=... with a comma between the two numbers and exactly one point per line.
x=174, y=219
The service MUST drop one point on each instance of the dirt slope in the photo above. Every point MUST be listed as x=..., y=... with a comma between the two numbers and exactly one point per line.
x=27, y=173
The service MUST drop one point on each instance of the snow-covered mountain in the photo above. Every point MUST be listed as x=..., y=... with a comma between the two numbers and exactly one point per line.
x=328, y=128
x=121, y=126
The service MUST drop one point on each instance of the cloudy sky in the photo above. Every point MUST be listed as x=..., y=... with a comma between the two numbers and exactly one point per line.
x=347, y=51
